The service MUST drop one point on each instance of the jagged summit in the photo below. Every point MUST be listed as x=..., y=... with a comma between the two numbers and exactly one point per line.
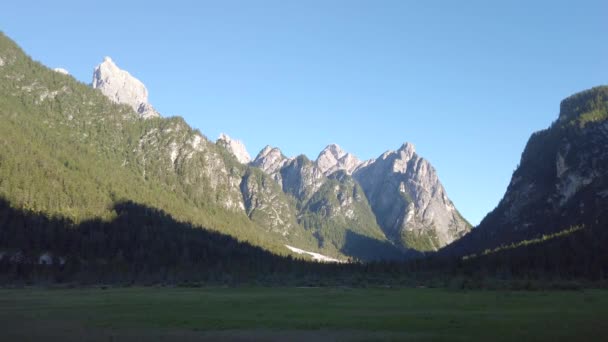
x=406, y=197
x=120, y=87
x=236, y=147
x=333, y=158
x=270, y=159
x=408, y=148
x=336, y=150
x=410, y=202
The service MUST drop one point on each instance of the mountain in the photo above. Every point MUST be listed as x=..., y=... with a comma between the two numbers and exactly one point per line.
x=236, y=147
x=398, y=195
x=120, y=87
x=409, y=202
x=560, y=185
x=75, y=151
x=333, y=207
x=67, y=150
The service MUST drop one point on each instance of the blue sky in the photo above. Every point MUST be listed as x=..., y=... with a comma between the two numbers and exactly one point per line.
x=466, y=81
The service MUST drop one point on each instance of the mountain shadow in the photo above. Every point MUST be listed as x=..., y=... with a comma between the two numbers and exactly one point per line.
x=366, y=248
x=140, y=245
x=575, y=253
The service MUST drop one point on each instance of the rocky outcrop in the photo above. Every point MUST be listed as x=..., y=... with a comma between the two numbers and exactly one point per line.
x=120, y=87
x=408, y=200
x=236, y=147
x=333, y=159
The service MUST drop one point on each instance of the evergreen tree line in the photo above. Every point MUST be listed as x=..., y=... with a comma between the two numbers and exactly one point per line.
x=143, y=245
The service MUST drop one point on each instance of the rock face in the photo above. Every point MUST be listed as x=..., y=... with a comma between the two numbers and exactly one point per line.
x=271, y=160
x=236, y=147
x=333, y=158
x=409, y=202
x=560, y=181
x=301, y=178
x=266, y=204
x=120, y=87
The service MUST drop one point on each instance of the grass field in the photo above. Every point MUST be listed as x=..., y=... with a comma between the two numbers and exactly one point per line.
x=301, y=314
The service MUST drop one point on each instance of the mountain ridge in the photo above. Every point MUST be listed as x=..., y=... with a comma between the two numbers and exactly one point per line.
x=272, y=201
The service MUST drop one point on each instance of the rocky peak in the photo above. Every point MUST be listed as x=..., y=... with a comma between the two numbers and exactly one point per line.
x=407, y=149
x=403, y=155
x=335, y=150
x=410, y=203
x=270, y=160
x=120, y=87
x=399, y=158
x=236, y=147
x=333, y=158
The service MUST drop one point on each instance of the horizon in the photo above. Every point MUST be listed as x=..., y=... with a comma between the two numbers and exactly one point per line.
x=481, y=84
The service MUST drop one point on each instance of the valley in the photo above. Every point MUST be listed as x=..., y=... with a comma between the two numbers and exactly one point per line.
x=121, y=220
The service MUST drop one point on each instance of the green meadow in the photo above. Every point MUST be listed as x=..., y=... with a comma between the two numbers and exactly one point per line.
x=301, y=314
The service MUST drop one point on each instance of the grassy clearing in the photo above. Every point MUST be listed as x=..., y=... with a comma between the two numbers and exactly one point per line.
x=166, y=314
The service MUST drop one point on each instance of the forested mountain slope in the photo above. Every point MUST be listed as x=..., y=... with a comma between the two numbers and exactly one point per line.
x=74, y=151
x=68, y=150
x=560, y=185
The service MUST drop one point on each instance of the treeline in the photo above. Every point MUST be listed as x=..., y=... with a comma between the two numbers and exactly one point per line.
x=142, y=245
x=578, y=254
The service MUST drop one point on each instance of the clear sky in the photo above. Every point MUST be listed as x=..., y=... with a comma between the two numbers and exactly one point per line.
x=466, y=82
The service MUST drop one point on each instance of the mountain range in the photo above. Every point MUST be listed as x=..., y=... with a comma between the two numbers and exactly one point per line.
x=108, y=139
x=410, y=208
x=81, y=153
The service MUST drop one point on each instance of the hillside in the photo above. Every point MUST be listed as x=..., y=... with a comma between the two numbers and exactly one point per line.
x=559, y=190
x=67, y=150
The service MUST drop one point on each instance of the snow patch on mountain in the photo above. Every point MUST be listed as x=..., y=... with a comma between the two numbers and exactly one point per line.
x=315, y=256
